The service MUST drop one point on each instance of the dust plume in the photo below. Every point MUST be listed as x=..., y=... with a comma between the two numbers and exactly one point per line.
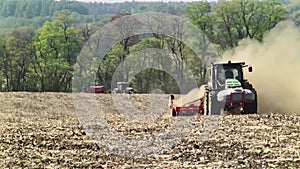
x=191, y=96
x=276, y=68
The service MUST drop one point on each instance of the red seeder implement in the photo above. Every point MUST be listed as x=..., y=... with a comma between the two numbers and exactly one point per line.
x=194, y=107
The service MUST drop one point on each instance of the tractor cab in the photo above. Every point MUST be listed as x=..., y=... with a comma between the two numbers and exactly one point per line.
x=123, y=87
x=222, y=72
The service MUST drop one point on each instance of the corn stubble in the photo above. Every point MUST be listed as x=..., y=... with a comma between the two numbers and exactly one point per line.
x=40, y=130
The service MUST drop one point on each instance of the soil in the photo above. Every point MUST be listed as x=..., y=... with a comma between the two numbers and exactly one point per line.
x=42, y=130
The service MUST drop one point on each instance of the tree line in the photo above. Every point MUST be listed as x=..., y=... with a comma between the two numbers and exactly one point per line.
x=43, y=59
x=35, y=8
x=17, y=13
x=41, y=8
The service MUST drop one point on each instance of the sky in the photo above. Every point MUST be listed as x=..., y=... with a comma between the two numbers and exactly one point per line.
x=113, y=1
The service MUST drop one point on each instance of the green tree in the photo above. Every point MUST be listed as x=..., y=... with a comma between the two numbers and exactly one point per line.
x=3, y=75
x=247, y=19
x=151, y=79
x=109, y=64
x=56, y=48
x=14, y=59
x=201, y=14
x=231, y=21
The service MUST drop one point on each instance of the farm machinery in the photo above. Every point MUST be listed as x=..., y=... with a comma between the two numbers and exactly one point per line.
x=191, y=108
x=123, y=87
x=226, y=91
x=95, y=89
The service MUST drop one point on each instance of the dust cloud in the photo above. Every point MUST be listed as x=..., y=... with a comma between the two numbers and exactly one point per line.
x=191, y=96
x=276, y=68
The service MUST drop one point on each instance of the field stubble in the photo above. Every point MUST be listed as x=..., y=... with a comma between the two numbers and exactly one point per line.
x=41, y=130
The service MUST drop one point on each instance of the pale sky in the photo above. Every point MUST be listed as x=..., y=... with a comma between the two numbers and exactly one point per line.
x=112, y=1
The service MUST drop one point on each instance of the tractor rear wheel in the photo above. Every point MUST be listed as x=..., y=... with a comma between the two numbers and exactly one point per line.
x=251, y=108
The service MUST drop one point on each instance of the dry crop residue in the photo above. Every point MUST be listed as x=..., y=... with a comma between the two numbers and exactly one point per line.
x=40, y=130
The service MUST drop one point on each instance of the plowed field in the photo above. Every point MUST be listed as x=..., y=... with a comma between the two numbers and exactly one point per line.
x=42, y=130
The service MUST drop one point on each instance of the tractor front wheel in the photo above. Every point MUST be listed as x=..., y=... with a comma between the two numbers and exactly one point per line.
x=215, y=108
x=211, y=105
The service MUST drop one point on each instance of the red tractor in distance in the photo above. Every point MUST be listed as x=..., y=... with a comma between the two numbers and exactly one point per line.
x=123, y=87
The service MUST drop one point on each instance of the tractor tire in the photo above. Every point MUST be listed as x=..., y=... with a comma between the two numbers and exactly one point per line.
x=206, y=103
x=130, y=92
x=251, y=108
x=211, y=105
x=215, y=107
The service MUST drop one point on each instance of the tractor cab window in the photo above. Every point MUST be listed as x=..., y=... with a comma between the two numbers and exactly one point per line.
x=224, y=73
x=221, y=75
x=123, y=86
x=232, y=73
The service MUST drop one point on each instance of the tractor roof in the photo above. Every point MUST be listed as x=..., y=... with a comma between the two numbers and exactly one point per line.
x=96, y=86
x=120, y=83
x=229, y=63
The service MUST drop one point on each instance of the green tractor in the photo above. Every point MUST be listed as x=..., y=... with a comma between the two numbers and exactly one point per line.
x=229, y=91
